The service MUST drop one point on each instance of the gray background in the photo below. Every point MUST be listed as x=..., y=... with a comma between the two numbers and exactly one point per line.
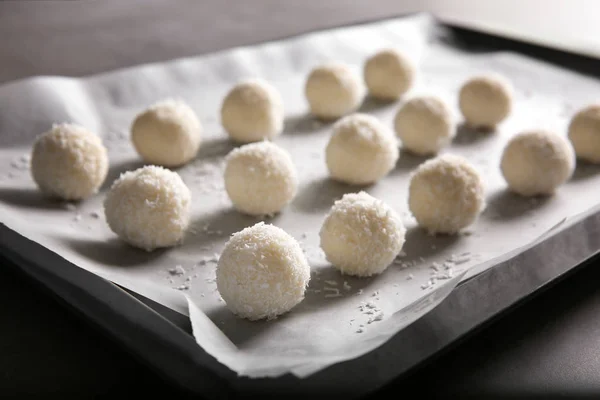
x=550, y=346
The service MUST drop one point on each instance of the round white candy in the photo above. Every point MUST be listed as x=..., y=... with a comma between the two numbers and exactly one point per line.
x=537, y=162
x=584, y=133
x=361, y=150
x=333, y=90
x=485, y=101
x=252, y=111
x=262, y=272
x=69, y=162
x=260, y=178
x=424, y=125
x=148, y=207
x=168, y=133
x=361, y=235
x=389, y=74
x=446, y=194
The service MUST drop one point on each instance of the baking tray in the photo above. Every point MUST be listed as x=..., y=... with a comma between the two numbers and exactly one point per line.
x=162, y=338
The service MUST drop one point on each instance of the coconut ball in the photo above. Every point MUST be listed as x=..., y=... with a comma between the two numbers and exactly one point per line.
x=262, y=272
x=69, y=162
x=485, y=101
x=424, y=125
x=537, y=162
x=149, y=207
x=252, y=111
x=260, y=178
x=361, y=150
x=446, y=194
x=389, y=74
x=333, y=90
x=168, y=133
x=584, y=133
x=361, y=235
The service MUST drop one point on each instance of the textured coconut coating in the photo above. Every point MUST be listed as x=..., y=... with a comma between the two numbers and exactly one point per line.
x=69, y=162
x=262, y=272
x=333, y=90
x=584, y=133
x=260, y=178
x=361, y=150
x=446, y=194
x=485, y=101
x=149, y=207
x=252, y=111
x=424, y=125
x=168, y=133
x=389, y=74
x=537, y=162
x=361, y=235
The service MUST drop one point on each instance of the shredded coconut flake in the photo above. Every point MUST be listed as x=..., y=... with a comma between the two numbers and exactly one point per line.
x=177, y=270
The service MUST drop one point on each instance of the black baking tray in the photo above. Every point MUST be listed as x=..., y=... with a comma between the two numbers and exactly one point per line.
x=162, y=338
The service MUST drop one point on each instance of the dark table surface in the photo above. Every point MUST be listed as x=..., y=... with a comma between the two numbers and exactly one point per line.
x=550, y=346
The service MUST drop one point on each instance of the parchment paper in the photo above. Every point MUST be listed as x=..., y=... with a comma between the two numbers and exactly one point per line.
x=341, y=317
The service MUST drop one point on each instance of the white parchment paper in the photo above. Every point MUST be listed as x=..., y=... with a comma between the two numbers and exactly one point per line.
x=341, y=317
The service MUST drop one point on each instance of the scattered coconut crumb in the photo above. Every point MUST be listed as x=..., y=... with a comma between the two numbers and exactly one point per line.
x=335, y=292
x=460, y=259
x=376, y=318
x=332, y=283
x=94, y=215
x=409, y=277
x=178, y=270
x=183, y=287
x=430, y=284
